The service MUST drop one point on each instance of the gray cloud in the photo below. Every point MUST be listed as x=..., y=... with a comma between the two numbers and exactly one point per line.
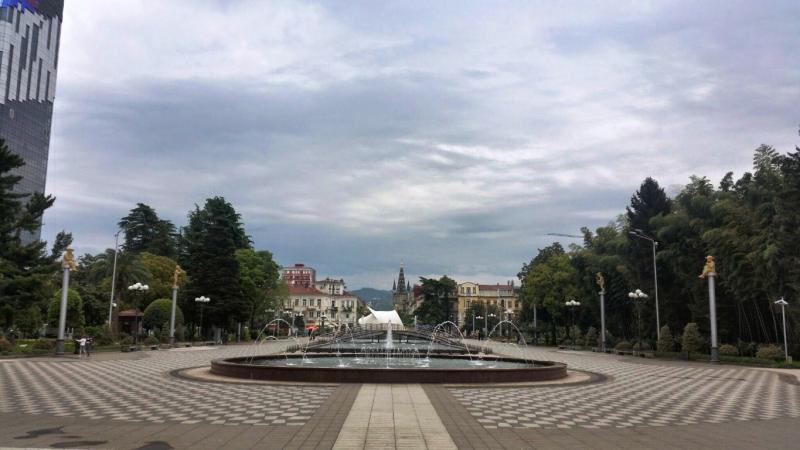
x=451, y=136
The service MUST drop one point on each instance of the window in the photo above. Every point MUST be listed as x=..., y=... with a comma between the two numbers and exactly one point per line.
x=319, y=302
x=304, y=302
x=296, y=302
x=333, y=303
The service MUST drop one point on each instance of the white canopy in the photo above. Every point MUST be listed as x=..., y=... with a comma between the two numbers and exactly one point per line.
x=382, y=318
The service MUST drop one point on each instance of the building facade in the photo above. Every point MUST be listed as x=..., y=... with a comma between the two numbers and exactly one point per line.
x=299, y=275
x=30, y=36
x=318, y=301
x=503, y=296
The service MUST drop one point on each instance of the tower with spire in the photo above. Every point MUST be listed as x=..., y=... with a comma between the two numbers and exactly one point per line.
x=401, y=290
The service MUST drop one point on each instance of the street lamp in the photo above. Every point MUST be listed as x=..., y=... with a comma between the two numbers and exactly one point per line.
x=638, y=296
x=492, y=315
x=783, y=304
x=479, y=317
x=202, y=300
x=572, y=304
x=323, y=317
x=640, y=234
x=113, y=278
x=140, y=288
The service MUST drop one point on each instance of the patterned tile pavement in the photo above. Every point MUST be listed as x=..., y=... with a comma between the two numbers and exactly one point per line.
x=142, y=390
x=636, y=394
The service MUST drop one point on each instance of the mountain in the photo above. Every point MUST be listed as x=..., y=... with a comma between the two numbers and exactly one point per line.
x=381, y=300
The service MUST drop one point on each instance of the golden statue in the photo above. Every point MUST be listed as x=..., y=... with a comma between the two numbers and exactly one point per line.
x=709, y=268
x=601, y=281
x=178, y=272
x=68, y=260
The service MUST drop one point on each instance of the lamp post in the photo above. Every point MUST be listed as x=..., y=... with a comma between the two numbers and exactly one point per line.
x=479, y=317
x=638, y=296
x=572, y=304
x=139, y=287
x=323, y=317
x=113, y=278
x=783, y=304
x=67, y=263
x=640, y=234
x=487, y=323
x=202, y=300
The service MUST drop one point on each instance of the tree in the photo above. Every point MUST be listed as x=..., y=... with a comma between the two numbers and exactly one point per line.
x=160, y=276
x=26, y=271
x=146, y=232
x=592, y=337
x=548, y=285
x=692, y=340
x=75, y=317
x=435, y=307
x=259, y=276
x=212, y=237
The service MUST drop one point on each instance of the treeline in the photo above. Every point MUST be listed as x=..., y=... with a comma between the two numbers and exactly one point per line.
x=750, y=225
x=212, y=248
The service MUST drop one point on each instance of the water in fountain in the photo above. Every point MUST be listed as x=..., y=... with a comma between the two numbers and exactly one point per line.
x=259, y=339
x=389, y=342
x=520, y=336
x=441, y=327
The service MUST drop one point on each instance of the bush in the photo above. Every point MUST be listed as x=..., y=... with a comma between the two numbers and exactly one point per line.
x=150, y=340
x=642, y=347
x=591, y=337
x=623, y=346
x=769, y=351
x=126, y=341
x=728, y=350
x=747, y=348
x=692, y=340
x=159, y=312
x=43, y=345
x=666, y=343
x=5, y=346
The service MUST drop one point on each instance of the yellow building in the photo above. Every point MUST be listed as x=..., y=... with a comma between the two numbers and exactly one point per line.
x=501, y=295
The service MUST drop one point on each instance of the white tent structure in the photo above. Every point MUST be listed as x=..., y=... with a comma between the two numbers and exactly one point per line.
x=379, y=319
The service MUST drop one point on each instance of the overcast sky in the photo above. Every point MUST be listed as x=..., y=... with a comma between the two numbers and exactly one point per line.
x=449, y=135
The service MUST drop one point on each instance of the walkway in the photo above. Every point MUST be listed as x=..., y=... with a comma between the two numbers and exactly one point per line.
x=120, y=401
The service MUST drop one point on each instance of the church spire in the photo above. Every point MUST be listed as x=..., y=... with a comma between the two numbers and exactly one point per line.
x=401, y=280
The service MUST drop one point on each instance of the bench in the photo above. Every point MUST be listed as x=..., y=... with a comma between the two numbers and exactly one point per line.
x=154, y=347
x=624, y=352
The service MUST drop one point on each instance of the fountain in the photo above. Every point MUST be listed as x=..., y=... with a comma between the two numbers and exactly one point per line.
x=390, y=354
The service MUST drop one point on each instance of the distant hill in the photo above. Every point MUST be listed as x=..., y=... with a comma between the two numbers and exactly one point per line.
x=381, y=300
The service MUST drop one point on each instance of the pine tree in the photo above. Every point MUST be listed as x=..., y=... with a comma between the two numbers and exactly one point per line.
x=665, y=342
x=146, y=232
x=25, y=269
x=692, y=340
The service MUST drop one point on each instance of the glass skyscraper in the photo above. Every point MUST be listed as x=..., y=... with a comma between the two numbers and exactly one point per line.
x=30, y=32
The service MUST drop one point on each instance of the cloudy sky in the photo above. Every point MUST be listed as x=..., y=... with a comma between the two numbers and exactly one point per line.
x=449, y=135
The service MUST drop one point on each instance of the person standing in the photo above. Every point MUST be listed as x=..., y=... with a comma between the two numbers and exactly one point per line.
x=82, y=344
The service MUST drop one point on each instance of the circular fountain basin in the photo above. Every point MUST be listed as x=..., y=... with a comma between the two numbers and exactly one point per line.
x=355, y=368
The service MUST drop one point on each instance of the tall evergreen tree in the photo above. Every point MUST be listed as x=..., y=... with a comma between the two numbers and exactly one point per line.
x=146, y=232
x=213, y=235
x=25, y=269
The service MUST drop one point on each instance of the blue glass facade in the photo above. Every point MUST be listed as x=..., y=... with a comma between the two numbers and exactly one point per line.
x=30, y=32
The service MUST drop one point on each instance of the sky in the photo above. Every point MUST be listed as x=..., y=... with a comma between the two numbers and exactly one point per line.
x=451, y=136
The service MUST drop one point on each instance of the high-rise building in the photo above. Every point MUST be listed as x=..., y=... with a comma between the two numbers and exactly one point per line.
x=299, y=275
x=30, y=32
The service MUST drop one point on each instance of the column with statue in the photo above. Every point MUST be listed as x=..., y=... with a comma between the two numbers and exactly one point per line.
x=601, y=282
x=67, y=264
x=178, y=272
x=709, y=272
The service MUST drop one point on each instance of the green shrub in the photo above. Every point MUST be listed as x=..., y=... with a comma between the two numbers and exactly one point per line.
x=747, y=348
x=151, y=340
x=666, y=343
x=623, y=346
x=591, y=337
x=769, y=351
x=159, y=312
x=642, y=347
x=5, y=346
x=692, y=339
x=728, y=350
x=43, y=345
x=126, y=341
x=75, y=318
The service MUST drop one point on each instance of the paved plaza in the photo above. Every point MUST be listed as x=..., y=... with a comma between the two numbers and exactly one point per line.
x=139, y=401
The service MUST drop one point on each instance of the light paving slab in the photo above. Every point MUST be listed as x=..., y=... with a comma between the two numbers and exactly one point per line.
x=393, y=416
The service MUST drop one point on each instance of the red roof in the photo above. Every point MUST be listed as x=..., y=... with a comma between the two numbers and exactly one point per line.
x=302, y=290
